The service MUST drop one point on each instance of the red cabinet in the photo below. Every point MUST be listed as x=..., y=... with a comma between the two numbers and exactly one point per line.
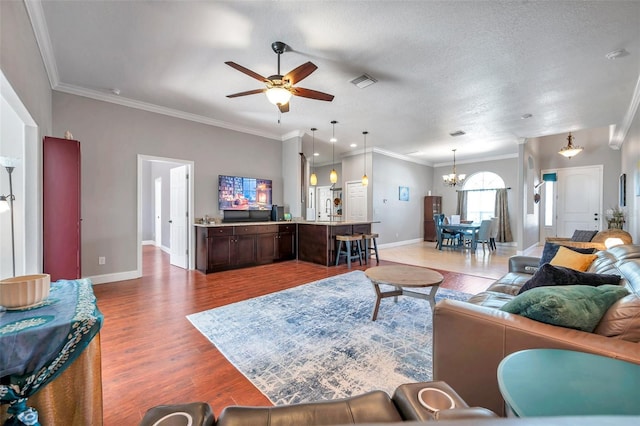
x=61, y=208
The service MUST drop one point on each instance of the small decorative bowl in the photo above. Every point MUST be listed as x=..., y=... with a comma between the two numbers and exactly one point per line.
x=24, y=291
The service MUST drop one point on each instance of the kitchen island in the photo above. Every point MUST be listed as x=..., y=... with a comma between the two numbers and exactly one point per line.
x=226, y=246
x=317, y=240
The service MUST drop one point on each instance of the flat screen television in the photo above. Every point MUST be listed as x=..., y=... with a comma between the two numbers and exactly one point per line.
x=243, y=193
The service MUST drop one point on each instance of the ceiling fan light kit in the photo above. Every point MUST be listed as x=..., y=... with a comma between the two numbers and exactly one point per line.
x=570, y=150
x=280, y=88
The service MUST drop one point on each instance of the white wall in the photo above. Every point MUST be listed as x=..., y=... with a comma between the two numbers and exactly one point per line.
x=399, y=220
x=291, y=173
x=631, y=166
x=112, y=136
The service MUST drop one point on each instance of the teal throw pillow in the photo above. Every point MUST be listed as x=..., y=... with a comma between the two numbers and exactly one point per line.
x=573, y=306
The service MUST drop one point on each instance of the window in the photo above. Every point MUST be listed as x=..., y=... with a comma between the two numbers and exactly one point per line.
x=481, y=198
x=548, y=204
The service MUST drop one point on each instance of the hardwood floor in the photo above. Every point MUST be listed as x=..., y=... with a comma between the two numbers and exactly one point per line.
x=152, y=355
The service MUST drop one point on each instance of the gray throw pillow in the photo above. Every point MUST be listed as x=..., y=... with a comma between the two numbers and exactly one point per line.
x=583, y=236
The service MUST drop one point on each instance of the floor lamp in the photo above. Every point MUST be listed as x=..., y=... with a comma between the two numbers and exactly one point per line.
x=10, y=199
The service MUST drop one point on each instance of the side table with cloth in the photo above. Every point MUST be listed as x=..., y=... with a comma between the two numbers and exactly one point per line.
x=39, y=349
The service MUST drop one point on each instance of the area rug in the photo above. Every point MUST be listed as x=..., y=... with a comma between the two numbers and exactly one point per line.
x=317, y=341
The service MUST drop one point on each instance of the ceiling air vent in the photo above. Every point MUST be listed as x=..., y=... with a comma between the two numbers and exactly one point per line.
x=363, y=81
x=457, y=133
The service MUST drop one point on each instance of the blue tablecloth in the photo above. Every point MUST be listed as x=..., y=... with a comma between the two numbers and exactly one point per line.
x=38, y=344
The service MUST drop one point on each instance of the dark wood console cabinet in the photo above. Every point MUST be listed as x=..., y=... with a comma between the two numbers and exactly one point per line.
x=220, y=248
x=432, y=207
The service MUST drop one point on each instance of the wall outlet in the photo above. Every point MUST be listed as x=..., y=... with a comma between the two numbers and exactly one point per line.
x=102, y=260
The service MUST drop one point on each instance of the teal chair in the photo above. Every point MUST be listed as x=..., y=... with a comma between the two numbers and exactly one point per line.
x=443, y=234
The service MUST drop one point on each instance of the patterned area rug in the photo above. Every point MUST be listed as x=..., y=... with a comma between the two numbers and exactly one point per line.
x=317, y=341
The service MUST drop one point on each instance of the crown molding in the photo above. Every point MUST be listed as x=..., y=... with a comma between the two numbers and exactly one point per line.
x=107, y=97
x=401, y=156
x=292, y=134
x=40, y=30
x=478, y=160
x=620, y=134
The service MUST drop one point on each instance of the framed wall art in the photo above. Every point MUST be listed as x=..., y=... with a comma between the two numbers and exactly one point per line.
x=403, y=193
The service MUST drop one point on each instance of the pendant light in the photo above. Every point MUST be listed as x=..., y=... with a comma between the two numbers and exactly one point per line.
x=453, y=179
x=313, y=179
x=365, y=179
x=333, y=176
x=570, y=150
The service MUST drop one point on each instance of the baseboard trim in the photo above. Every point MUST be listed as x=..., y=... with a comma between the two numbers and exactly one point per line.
x=399, y=243
x=148, y=243
x=118, y=276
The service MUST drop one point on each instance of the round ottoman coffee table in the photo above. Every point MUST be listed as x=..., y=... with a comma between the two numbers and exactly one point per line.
x=403, y=277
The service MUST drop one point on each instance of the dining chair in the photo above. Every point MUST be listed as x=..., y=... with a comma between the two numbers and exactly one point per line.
x=484, y=233
x=493, y=233
x=443, y=234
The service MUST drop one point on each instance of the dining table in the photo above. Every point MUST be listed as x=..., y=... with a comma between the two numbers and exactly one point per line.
x=468, y=229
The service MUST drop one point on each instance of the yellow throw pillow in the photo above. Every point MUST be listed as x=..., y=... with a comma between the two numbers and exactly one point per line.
x=571, y=259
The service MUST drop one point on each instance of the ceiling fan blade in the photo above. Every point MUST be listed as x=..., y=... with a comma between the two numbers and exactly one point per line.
x=248, y=92
x=284, y=108
x=247, y=71
x=311, y=94
x=300, y=73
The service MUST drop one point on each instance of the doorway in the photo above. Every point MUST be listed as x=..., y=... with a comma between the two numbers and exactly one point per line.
x=573, y=207
x=356, y=202
x=158, y=212
x=158, y=227
x=21, y=148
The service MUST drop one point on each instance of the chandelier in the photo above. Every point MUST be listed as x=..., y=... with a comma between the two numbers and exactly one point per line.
x=453, y=179
x=570, y=150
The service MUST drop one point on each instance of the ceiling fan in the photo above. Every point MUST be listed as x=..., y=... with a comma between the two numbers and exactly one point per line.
x=279, y=88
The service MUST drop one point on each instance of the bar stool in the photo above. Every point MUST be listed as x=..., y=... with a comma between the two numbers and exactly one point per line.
x=368, y=247
x=348, y=252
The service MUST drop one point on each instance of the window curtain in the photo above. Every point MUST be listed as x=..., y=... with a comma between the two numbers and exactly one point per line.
x=461, y=208
x=502, y=212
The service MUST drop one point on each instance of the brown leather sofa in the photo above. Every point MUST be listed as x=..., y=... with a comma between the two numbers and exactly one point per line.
x=471, y=338
x=371, y=407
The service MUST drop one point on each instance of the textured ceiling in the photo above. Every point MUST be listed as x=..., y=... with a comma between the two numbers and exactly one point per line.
x=441, y=66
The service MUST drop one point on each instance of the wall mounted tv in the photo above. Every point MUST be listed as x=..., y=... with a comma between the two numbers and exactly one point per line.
x=243, y=193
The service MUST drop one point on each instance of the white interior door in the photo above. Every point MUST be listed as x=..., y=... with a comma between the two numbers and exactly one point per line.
x=179, y=217
x=356, y=202
x=579, y=199
x=324, y=203
x=157, y=214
